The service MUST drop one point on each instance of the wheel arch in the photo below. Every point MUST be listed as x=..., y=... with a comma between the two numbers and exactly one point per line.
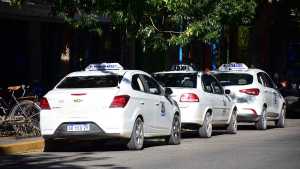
x=207, y=110
x=233, y=109
x=177, y=113
x=265, y=106
x=140, y=116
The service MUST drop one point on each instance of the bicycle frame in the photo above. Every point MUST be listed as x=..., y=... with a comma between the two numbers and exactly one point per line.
x=6, y=106
x=21, y=113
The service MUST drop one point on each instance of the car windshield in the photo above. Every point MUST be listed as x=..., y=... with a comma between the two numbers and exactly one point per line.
x=229, y=79
x=90, y=81
x=188, y=80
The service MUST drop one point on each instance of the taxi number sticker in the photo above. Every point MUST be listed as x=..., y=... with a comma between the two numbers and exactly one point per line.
x=163, y=109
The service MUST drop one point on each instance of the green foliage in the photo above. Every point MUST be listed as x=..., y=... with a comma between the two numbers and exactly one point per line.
x=158, y=23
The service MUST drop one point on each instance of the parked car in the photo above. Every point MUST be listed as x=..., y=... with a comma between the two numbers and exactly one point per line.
x=256, y=96
x=106, y=101
x=201, y=99
x=290, y=90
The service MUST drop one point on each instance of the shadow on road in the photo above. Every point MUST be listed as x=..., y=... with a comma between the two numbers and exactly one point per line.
x=251, y=126
x=98, y=146
x=194, y=134
x=50, y=161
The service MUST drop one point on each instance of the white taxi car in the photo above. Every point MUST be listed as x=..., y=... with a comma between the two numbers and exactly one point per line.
x=201, y=99
x=254, y=93
x=107, y=101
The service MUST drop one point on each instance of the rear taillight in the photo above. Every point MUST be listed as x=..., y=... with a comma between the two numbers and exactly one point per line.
x=119, y=101
x=189, y=97
x=44, y=104
x=252, y=91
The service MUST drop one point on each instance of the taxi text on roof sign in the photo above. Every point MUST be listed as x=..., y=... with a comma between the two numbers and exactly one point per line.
x=182, y=67
x=104, y=66
x=233, y=67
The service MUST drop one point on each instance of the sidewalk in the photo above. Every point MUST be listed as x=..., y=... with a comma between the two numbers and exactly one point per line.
x=14, y=145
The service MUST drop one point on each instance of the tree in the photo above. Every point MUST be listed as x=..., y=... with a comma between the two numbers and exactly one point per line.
x=158, y=23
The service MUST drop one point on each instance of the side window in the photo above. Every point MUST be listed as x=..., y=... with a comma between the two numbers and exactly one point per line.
x=206, y=84
x=260, y=78
x=136, y=83
x=216, y=86
x=151, y=85
x=270, y=83
x=264, y=80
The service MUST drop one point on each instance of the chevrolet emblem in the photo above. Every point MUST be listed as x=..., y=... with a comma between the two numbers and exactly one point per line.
x=77, y=100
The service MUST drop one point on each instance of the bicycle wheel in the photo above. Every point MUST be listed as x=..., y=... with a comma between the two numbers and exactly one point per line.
x=25, y=117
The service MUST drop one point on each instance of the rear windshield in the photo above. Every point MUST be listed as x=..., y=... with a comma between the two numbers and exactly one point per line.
x=90, y=81
x=188, y=80
x=229, y=79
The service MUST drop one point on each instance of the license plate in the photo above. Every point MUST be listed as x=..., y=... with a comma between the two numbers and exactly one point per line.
x=78, y=127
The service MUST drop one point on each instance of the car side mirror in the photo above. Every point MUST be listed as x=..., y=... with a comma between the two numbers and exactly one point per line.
x=227, y=91
x=168, y=91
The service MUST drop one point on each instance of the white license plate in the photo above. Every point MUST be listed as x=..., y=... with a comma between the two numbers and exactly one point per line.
x=78, y=127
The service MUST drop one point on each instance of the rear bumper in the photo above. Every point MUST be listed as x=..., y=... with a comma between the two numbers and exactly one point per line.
x=248, y=113
x=191, y=115
x=53, y=124
x=247, y=118
x=95, y=132
x=192, y=126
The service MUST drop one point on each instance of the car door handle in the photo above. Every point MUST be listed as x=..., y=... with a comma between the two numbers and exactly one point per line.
x=142, y=103
x=157, y=104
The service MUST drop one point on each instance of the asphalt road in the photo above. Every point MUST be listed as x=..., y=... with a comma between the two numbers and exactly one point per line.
x=249, y=149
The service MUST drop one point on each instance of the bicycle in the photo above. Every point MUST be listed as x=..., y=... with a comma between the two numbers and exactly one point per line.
x=20, y=113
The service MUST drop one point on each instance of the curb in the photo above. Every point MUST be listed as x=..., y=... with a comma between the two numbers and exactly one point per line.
x=25, y=146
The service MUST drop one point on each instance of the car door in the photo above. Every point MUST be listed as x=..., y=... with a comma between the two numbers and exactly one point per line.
x=160, y=104
x=212, y=99
x=266, y=93
x=222, y=112
x=274, y=95
x=144, y=103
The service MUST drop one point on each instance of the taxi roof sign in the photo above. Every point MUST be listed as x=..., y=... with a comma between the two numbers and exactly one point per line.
x=233, y=67
x=182, y=67
x=104, y=66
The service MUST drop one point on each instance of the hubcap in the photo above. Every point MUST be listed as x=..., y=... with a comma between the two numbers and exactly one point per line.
x=234, y=122
x=283, y=115
x=176, y=128
x=264, y=119
x=208, y=124
x=139, y=135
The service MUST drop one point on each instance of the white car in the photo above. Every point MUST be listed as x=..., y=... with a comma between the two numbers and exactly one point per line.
x=255, y=94
x=107, y=101
x=201, y=99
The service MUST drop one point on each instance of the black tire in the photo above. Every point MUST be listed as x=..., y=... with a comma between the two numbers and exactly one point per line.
x=26, y=117
x=280, y=123
x=261, y=124
x=232, y=127
x=205, y=130
x=136, y=141
x=174, y=138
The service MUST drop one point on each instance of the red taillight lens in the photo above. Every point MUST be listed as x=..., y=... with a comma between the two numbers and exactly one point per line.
x=252, y=91
x=119, y=101
x=189, y=97
x=44, y=104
